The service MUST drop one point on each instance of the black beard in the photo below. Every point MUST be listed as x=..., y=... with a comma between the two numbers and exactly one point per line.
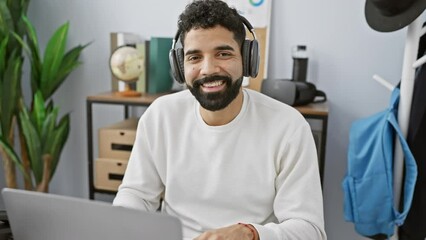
x=217, y=100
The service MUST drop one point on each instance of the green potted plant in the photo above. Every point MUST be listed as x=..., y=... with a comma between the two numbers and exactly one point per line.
x=41, y=131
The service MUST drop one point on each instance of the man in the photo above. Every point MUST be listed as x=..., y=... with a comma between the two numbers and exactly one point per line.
x=230, y=163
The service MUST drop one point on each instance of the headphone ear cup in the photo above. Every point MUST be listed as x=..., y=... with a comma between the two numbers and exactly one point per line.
x=180, y=63
x=250, y=55
x=245, y=53
x=254, y=58
x=176, y=64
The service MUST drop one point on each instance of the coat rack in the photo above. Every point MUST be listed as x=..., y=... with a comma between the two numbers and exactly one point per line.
x=410, y=63
x=406, y=96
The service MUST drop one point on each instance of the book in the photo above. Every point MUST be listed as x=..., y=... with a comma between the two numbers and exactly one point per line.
x=159, y=76
x=141, y=84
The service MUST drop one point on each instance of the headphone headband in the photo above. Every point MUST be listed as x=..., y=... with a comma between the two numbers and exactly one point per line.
x=243, y=19
x=248, y=26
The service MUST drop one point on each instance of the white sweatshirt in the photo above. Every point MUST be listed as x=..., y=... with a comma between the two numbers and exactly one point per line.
x=261, y=168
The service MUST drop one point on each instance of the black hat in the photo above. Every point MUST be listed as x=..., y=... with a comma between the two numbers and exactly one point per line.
x=392, y=15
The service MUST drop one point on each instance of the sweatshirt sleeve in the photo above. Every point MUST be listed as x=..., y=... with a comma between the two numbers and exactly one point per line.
x=141, y=187
x=298, y=204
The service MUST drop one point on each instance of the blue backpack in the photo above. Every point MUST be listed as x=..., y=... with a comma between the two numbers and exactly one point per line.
x=368, y=184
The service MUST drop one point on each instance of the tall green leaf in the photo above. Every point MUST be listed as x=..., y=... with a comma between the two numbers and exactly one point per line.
x=49, y=125
x=33, y=144
x=3, y=48
x=33, y=45
x=8, y=12
x=6, y=21
x=21, y=42
x=38, y=111
x=53, y=56
x=3, y=61
x=19, y=9
x=24, y=6
x=10, y=91
x=68, y=64
x=15, y=10
x=9, y=150
x=59, y=138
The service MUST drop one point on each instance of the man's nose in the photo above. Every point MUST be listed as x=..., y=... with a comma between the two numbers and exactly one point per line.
x=209, y=66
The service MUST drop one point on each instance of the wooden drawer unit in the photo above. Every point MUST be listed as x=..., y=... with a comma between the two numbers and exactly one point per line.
x=116, y=141
x=109, y=173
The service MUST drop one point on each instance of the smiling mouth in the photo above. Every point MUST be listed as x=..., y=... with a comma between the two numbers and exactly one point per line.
x=213, y=84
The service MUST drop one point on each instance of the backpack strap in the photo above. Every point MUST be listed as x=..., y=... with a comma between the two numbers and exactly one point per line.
x=409, y=163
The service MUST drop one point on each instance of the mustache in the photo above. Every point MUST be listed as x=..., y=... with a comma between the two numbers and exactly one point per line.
x=197, y=83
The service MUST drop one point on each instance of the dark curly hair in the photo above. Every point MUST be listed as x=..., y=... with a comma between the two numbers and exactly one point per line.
x=208, y=14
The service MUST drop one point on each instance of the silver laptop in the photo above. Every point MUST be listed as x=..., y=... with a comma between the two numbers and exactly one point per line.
x=42, y=216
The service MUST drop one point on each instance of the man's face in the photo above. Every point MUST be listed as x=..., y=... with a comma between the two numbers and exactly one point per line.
x=213, y=66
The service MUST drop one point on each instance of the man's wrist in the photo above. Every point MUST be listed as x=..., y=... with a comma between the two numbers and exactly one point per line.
x=255, y=235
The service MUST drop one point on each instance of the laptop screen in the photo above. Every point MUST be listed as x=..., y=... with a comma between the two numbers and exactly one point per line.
x=44, y=216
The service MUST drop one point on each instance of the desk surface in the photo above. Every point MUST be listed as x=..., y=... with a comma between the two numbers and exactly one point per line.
x=319, y=109
x=113, y=97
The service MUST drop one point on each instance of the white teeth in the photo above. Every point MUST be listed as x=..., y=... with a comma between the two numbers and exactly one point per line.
x=213, y=84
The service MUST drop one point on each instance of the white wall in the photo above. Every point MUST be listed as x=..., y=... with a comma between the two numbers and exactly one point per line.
x=345, y=53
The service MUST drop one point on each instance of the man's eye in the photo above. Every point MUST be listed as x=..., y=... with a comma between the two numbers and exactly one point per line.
x=192, y=58
x=224, y=54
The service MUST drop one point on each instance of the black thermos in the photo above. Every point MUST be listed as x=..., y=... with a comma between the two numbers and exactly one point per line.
x=300, y=63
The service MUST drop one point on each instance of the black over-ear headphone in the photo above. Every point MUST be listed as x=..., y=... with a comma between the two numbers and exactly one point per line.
x=249, y=52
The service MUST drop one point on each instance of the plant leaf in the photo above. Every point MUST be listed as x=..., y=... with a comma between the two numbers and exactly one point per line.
x=59, y=139
x=68, y=64
x=36, y=64
x=33, y=144
x=6, y=21
x=3, y=49
x=49, y=126
x=24, y=5
x=21, y=10
x=15, y=10
x=53, y=56
x=9, y=150
x=38, y=111
x=22, y=43
x=10, y=91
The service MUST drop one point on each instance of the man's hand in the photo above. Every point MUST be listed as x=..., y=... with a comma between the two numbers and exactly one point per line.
x=233, y=232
